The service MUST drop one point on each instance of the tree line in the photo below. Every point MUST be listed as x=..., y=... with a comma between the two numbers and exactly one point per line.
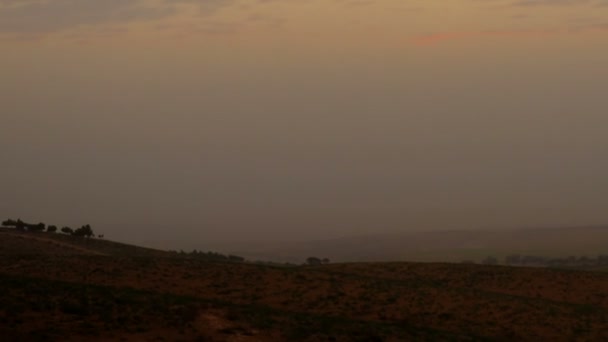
x=532, y=260
x=210, y=256
x=314, y=261
x=571, y=261
x=214, y=256
x=84, y=231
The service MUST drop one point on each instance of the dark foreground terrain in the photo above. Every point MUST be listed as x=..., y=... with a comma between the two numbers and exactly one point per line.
x=61, y=288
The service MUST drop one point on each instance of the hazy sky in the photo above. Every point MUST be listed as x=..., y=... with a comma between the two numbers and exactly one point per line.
x=194, y=121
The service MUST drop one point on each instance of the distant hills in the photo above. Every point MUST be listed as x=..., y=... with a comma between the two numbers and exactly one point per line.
x=442, y=246
x=454, y=246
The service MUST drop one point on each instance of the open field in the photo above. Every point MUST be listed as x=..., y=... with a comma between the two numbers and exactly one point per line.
x=89, y=293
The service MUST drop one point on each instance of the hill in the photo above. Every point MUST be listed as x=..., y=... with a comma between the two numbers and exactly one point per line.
x=41, y=243
x=89, y=294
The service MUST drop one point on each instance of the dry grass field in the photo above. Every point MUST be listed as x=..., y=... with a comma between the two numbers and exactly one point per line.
x=68, y=289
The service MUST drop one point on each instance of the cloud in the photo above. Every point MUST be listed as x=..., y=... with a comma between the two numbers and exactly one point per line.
x=441, y=37
x=435, y=38
x=206, y=5
x=560, y=2
x=35, y=17
x=544, y=3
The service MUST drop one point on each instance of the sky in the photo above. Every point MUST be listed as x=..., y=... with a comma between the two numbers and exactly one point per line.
x=198, y=122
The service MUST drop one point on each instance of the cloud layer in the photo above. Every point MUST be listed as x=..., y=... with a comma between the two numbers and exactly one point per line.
x=47, y=16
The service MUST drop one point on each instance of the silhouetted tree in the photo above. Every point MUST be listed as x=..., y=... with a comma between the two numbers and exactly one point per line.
x=20, y=225
x=36, y=227
x=67, y=230
x=9, y=223
x=89, y=231
x=313, y=261
x=51, y=229
x=84, y=231
x=325, y=261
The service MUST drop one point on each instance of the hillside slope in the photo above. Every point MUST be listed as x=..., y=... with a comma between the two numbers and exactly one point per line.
x=71, y=291
x=13, y=242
